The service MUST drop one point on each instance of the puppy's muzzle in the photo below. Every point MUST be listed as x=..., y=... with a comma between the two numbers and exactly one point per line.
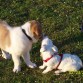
x=40, y=37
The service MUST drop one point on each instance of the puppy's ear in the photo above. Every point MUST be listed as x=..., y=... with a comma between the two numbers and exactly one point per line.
x=36, y=29
x=55, y=49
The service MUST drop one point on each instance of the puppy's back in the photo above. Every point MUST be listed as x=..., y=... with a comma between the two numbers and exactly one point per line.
x=4, y=35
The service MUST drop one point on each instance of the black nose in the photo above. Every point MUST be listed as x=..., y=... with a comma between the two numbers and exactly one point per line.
x=41, y=37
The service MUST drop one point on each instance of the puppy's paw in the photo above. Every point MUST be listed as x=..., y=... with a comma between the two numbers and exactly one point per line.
x=16, y=70
x=41, y=67
x=33, y=65
x=6, y=56
x=48, y=69
x=44, y=72
x=57, y=72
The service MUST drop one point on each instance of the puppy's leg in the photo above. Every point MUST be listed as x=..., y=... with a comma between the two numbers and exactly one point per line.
x=26, y=58
x=6, y=55
x=57, y=72
x=16, y=60
x=47, y=70
x=63, y=69
x=66, y=68
x=70, y=67
x=42, y=66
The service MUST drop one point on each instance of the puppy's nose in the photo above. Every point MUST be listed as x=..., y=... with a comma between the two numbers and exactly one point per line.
x=41, y=37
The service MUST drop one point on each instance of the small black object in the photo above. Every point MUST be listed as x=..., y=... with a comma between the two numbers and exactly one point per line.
x=81, y=26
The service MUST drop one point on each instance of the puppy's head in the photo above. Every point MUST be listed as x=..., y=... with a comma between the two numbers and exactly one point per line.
x=48, y=51
x=36, y=30
x=45, y=52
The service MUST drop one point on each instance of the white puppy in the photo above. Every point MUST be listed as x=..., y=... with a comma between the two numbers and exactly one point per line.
x=60, y=62
x=18, y=41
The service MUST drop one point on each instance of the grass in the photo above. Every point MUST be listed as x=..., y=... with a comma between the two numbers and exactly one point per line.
x=60, y=20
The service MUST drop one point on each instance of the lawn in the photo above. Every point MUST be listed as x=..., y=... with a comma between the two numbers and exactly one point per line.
x=61, y=20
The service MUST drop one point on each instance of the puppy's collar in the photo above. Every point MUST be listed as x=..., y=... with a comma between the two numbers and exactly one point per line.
x=26, y=35
x=50, y=57
x=61, y=56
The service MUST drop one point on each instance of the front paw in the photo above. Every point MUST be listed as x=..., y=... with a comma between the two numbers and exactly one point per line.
x=44, y=72
x=6, y=56
x=57, y=72
x=33, y=65
x=41, y=67
x=16, y=70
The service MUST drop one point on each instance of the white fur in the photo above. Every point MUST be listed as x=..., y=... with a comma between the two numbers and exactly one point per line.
x=20, y=46
x=69, y=62
x=46, y=44
x=6, y=55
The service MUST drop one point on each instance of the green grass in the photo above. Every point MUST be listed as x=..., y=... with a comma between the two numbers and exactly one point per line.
x=60, y=20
